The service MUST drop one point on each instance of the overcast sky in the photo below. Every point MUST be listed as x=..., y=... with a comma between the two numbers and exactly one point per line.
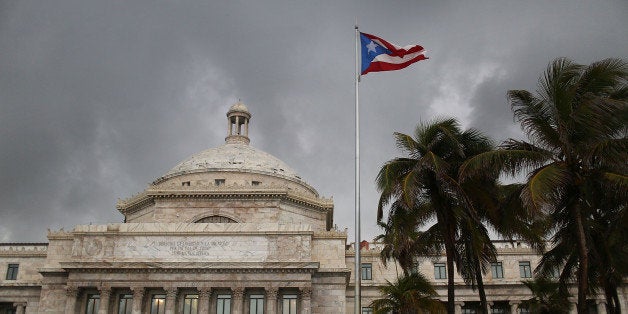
x=99, y=98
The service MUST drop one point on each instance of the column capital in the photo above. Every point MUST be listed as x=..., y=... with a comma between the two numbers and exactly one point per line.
x=271, y=292
x=600, y=301
x=138, y=292
x=18, y=304
x=514, y=302
x=171, y=292
x=306, y=292
x=72, y=291
x=238, y=292
x=204, y=292
x=104, y=290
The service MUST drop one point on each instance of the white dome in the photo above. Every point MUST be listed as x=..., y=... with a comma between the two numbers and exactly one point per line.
x=235, y=157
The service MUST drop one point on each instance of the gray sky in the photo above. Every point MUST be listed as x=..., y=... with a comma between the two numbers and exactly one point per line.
x=99, y=98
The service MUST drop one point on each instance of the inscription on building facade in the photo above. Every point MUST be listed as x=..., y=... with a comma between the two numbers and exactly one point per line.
x=193, y=248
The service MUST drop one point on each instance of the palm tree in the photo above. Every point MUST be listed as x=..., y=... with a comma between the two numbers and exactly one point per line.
x=402, y=240
x=576, y=124
x=408, y=295
x=548, y=297
x=426, y=181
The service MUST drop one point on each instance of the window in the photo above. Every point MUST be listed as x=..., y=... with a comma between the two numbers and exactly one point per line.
x=93, y=304
x=497, y=309
x=524, y=310
x=440, y=271
x=216, y=219
x=158, y=304
x=497, y=271
x=469, y=310
x=256, y=304
x=219, y=182
x=524, y=270
x=186, y=183
x=256, y=183
x=223, y=304
x=367, y=310
x=12, y=271
x=125, y=305
x=289, y=304
x=190, y=304
x=367, y=271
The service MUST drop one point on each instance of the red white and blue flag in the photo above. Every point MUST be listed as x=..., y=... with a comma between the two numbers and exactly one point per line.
x=379, y=55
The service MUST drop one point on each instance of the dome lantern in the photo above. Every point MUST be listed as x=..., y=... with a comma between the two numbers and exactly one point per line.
x=238, y=118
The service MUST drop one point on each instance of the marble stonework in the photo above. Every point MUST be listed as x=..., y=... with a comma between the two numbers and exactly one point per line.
x=228, y=221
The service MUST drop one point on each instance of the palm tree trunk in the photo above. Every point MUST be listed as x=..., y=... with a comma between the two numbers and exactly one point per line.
x=449, y=251
x=478, y=276
x=583, y=259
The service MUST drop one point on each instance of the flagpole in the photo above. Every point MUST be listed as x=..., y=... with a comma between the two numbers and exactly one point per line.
x=357, y=272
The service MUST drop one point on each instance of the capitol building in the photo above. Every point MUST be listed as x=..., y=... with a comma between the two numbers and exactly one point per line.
x=232, y=229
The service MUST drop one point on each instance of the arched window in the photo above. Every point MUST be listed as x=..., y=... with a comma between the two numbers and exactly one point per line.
x=216, y=219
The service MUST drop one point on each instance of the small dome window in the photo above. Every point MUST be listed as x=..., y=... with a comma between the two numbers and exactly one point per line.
x=216, y=219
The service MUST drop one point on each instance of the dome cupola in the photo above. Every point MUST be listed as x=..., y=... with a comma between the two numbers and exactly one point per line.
x=238, y=118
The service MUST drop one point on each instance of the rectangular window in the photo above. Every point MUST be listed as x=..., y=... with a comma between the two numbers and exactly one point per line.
x=497, y=271
x=12, y=271
x=219, y=182
x=223, y=304
x=468, y=311
x=125, y=305
x=525, y=271
x=440, y=271
x=524, y=310
x=367, y=271
x=367, y=310
x=256, y=183
x=190, y=304
x=158, y=304
x=93, y=304
x=498, y=310
x=289, y=304
x=256, y=304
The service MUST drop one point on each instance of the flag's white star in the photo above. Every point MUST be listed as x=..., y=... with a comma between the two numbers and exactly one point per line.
x=371, y=47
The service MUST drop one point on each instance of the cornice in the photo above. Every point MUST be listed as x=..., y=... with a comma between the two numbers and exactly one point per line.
x=235, y=191
x=23, y=250
x=191, y=267
x=331, y=234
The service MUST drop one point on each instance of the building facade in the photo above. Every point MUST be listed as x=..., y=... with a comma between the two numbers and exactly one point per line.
x=231, y=229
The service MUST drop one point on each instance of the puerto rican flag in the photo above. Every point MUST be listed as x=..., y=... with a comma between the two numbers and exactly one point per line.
x=379, y=55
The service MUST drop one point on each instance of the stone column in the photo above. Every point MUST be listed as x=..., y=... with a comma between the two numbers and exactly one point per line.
x=20, y=307
x=601, y=306
x=237, y=125
x=573, y=309
x=271, y=300
x=238, y=300
x=204, y=295
x=306, y=300
x=70, y=301
x=138, y=297
x=514, y=306
x=171, y=299
x=458, y=309
x=105, y=295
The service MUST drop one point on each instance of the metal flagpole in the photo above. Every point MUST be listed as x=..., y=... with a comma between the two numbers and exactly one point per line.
x=357, y=273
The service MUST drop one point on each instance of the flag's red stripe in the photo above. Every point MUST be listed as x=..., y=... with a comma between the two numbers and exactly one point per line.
x=400, y=52
x=377, y=66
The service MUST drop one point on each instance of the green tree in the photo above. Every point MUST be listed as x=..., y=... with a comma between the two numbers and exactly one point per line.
x=548, y=297
x=426, y=181
x=402, y=240
x=576, y=153
x=408, y=295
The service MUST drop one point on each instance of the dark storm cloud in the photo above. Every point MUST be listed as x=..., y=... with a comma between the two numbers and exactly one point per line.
x=99, y=98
